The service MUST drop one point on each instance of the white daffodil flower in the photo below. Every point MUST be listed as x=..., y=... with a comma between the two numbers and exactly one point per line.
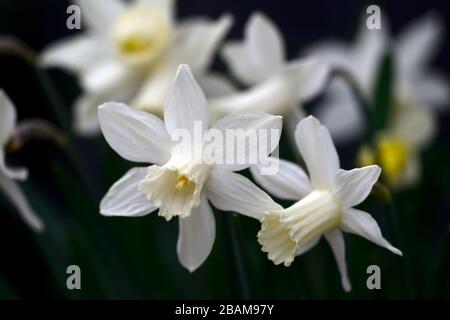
x=326, y=206
x=9, y=187
x=130, y=53
x=417, y=94
x=275, y=85
x=176, y=184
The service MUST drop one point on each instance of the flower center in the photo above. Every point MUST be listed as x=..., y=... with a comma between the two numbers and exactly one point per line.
x=141, y=34
x=182, y=182
x=275, y=239
x=175, y=187
x=283, y=233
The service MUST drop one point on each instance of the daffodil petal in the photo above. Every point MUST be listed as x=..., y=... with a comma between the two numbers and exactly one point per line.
x=166, y=6
x=417, y=44
x=16, y=196
x=261, y=130
x=362, y=224
x=216, y=85
x=261, y=54
x=12, y=173
x=100, y=15
x=317, y=149
x=197, y=41
x=230, y=191
x=289, y=182
x=8, y=118
x=106, y=75
x=340, y=113
x=197, y=233
x=337, y=244
x=353, y=186
x=134, y=135
x=77, y=53
x=185, y=103
x=433, y=91
x=124, y=198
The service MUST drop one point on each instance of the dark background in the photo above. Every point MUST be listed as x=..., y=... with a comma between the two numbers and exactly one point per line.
x=136, y=258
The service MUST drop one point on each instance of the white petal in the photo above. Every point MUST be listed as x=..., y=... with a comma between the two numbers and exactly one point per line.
x=86, y=122
x=124, y=198
x=167, y=6
x=134, y=135
x=77, y=53
x=230, y=191
x=362, y=224
x=417, y=44
x=262, y=132
x=353, y=186
x=185, y=103
x=8, y=118
x=289, y=182
x=275, y=96
x=16, y=196
x=197, y=233
x=318, y=151
x=197, y=40
x=416, y=125
x=106, y=75
x=313, y=76
x=340, y=113
x=261, y=54
x=243, y=66
x=100, y=15
x=216, y=85
x=366, y=55
x=265, y=41
x=311, y=244
x=433, y=91
x=337, y=244
x=413, y=171
x=12, y=173
x=152, y=93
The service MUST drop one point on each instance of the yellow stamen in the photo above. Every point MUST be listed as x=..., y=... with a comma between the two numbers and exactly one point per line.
x=182, y=182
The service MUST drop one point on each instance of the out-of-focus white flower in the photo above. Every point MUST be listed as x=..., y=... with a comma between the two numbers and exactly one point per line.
x=275, y=85
x=130, y=53
x=9, y=187
x=416, y=92
x=176, y=184
x=326, y=206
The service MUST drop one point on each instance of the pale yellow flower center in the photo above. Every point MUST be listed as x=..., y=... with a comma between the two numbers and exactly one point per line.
x=141, y=34
x=182, y=182
x=175, y=187
x=283, y=233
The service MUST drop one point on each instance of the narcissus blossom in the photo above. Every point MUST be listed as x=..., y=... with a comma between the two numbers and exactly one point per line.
x=179, y=183
x=417, y=93
x=130, y=53
x=325, y=208
x=8, y=175
x=274, y=85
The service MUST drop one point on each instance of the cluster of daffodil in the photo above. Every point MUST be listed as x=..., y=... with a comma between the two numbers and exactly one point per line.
x=136, y=64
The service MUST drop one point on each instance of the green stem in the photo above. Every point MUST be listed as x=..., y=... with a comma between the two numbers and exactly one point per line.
x=406, y=261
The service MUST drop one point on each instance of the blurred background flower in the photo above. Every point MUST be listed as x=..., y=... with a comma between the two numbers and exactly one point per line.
x=134, y=258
